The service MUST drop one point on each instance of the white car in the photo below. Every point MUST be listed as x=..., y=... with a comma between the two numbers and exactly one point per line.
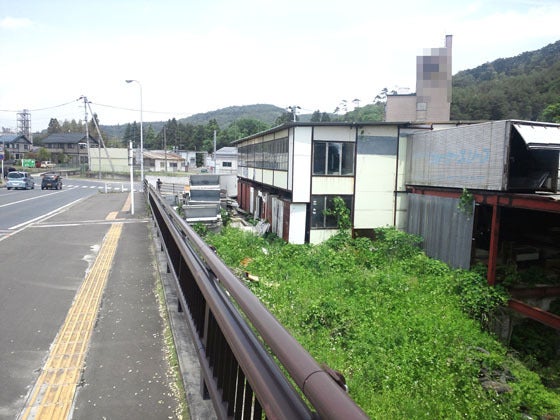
x=18, y=179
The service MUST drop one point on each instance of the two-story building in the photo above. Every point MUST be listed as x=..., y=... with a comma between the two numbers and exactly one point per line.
x=289, y=175
x=74, y=145
x=16, y=145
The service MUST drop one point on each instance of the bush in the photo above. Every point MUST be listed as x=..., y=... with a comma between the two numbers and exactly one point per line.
x=394, y=322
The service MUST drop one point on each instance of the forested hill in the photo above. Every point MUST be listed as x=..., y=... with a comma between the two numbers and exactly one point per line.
x=520, y=87
x=225, y=116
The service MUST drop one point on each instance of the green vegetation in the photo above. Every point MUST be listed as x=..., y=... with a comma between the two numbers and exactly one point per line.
x=523, y=87
x=404, y=329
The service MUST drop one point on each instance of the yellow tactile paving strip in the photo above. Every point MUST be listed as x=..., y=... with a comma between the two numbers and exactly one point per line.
x=128, y=203
x=54, y=391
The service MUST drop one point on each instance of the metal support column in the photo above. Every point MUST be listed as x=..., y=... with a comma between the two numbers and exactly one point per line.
x=494, y=243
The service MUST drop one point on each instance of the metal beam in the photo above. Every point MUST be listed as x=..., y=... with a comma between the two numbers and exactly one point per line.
x=544, y=317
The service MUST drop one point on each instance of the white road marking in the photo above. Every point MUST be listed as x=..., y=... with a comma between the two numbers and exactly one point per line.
x=44, y=216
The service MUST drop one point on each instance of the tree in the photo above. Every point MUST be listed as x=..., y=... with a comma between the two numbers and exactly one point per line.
x=316, y=116
x=319, y=116
x=43, y=154
x=285, y=118
x=369, y=113
x=150, y=138
x=239, y=129
x=72, y=126
x=551, y=113
x=54, y=126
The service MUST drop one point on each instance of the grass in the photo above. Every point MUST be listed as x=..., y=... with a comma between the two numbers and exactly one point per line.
x=405, y=330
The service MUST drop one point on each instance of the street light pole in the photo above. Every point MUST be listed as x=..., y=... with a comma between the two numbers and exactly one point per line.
x=141, y=135
x=130, y=162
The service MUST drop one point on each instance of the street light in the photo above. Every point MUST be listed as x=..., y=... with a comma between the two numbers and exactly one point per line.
x=141, y=135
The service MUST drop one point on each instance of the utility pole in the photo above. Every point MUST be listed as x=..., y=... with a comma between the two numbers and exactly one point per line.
x=293, y=109
x=215, y=169
x=3, y=153
x=87, y=133
x=165, y=146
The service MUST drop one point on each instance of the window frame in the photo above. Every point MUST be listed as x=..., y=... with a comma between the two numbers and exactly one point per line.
x=333, y=158
x=325, y=202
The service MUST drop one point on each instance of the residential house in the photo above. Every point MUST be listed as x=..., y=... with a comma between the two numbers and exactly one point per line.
x=193, y=158
x=163, y=161
x=225, y=160
x=74, y=145
x=16, y=145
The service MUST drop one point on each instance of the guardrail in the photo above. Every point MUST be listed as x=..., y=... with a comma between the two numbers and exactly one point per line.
x=249, y=362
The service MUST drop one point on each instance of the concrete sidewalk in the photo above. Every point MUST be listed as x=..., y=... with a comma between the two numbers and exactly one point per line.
x=107, y=332
x=127, y=373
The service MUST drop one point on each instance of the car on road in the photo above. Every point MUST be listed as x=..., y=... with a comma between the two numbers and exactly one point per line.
x=51, y=181
x=47, y=164
x=19, y=179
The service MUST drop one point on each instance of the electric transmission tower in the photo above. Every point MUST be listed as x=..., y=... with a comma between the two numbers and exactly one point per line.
x=24, y=124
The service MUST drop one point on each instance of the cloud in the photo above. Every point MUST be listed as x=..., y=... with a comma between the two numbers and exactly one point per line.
x=15, y=23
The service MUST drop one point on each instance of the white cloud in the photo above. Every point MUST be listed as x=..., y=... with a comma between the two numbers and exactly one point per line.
x=15, y=23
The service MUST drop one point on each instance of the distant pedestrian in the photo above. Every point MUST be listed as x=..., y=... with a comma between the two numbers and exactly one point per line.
x=158, y=183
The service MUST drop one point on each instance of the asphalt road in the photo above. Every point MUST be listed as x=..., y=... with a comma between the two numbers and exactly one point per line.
x=21, y=207
x=49, y=241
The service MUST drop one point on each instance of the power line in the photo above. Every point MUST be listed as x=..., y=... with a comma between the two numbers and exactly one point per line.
x=136, y=110
x=39, y=109
x=95, y=103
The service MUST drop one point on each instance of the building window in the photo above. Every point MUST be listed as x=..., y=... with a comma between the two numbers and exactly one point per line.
x=265, y=155
x=319, y=204
x=226, y=164
x=333, y=158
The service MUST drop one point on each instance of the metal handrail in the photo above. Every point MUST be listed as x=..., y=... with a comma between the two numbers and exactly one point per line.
x=237, y=311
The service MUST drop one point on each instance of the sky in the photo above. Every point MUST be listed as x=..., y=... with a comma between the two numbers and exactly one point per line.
x=193, y=56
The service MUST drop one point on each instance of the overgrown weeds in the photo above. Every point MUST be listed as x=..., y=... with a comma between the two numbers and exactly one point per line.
x=404, y=329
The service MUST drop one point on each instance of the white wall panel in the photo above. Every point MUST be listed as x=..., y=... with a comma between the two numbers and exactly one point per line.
x=334, y=133
x=376, y=167
x=267, y=176
x=332, y=185
x=298, y=216
x=317, y=236
x=301, y=166
x=281, y=179
x=277, y=224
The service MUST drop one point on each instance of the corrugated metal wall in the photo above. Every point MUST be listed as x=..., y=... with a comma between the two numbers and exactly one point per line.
x=473, y=157
x=446, y=230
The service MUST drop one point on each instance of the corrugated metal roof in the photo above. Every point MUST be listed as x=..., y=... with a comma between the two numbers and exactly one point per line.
x=539, y=136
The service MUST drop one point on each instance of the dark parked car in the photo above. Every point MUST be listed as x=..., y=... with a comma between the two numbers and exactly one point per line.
x=51, y=181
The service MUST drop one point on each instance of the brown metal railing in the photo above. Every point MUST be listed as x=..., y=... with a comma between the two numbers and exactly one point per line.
x=240, y=344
